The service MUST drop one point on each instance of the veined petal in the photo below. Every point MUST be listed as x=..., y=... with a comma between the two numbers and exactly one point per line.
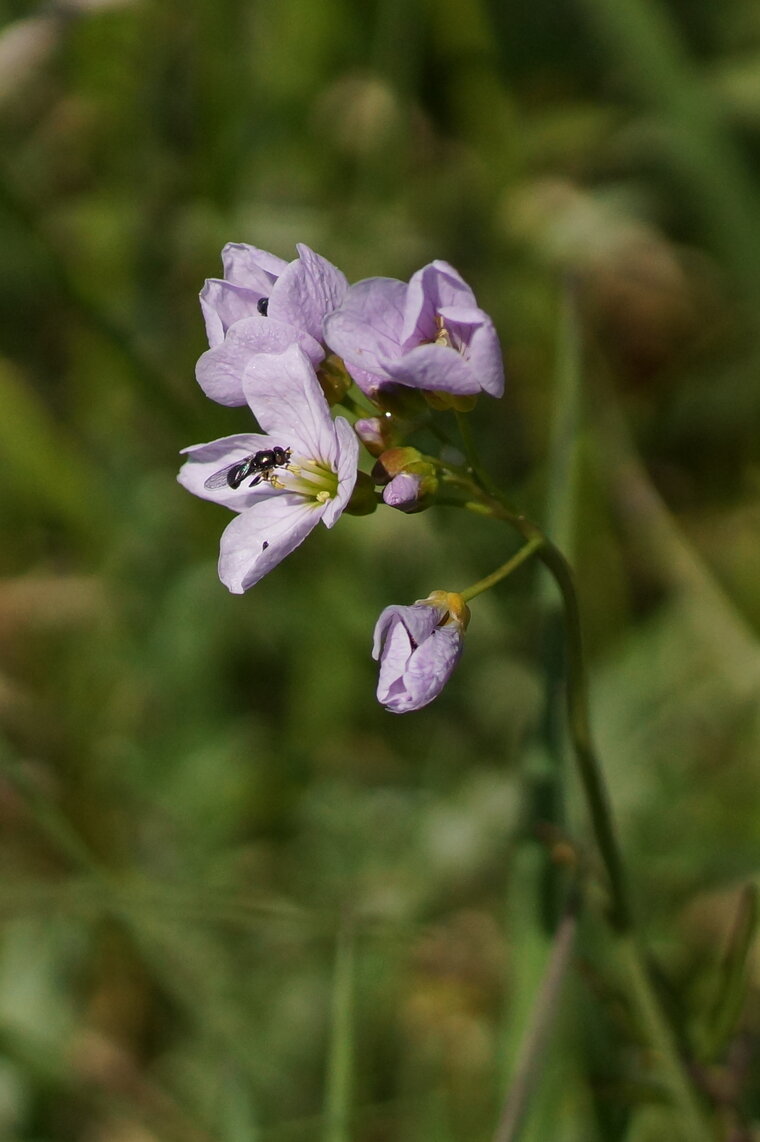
x=284, y=395
x=220, y=371
x=222, y=304
x=397, y=648
x=434, y=286
x=430, y=667
x=434, y=367
x=205, y=460
x=251, y=267
x=306, y=291
x=419, y=620
x=258, y=539
x=368, y=324
x=485, y=359
x=348, y=457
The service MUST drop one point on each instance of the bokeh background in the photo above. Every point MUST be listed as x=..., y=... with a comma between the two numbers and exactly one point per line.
x=240, y=902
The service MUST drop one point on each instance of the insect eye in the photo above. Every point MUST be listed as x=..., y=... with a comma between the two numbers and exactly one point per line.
x=263, y=305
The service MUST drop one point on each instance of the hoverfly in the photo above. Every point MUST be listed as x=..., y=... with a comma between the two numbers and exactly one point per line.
x=261, y=465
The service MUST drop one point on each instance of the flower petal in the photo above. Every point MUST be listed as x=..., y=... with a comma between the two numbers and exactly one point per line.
x=348, y=458
x=284, y=395
x=368, y=323
x=224, y=303
x=433, y=367
x=420, y=621
x=431, y=665
x=258, y=539
x=430, y=290
x=220, y=370
x=306, y=291
x=251, y=267
x=434, y=286
x=484, y=355
x=397, y=648
x=206, y=460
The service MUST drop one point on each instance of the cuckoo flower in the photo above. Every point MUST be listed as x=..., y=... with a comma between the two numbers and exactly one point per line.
x=283, y=481
x=262, y=305
x=418, y=647
x=429, y=334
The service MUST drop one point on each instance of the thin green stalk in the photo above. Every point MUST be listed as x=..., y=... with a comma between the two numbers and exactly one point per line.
x=506, y=569
x=532, y=1052
x=660, y=1037
x=341, y=1049
x=621, y=917
x=577, y=711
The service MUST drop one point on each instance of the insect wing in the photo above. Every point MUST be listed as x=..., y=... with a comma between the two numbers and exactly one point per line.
x=220, y=479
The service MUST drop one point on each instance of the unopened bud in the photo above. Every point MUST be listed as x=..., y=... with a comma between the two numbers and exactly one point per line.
x=374, y=433
x=410, y=492
x=396, y=460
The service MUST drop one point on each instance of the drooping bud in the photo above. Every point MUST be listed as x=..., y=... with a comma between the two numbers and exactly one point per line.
x=418, y=648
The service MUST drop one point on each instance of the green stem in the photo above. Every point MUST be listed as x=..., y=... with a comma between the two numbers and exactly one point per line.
x=533, y=1049
x=340, y=1057
x=656, y=1028
x=501, y=572
x=661, y=1040
x=578, y=718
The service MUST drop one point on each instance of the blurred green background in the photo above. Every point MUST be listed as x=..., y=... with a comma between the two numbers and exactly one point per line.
x=240, y=901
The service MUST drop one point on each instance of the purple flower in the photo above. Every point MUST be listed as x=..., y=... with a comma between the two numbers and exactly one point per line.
x=418, y=647
x=429, y=334
x=262, y=305
x=278, y=503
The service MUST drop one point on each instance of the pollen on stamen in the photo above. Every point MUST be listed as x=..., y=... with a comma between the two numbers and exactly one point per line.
x=442, y=337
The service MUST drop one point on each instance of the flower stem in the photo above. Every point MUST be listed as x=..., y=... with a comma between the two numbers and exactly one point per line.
x=577, y=712
x=533, y=1049
x=642, y=992
x=507, y=568
x=661, y=1040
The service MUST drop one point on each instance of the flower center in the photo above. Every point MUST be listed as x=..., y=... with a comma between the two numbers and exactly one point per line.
x=312, y=479
x=442, y=336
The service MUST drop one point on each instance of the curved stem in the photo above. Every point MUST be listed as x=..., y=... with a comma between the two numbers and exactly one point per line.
x=578, y=718
x=643, y=994
x=500, y=573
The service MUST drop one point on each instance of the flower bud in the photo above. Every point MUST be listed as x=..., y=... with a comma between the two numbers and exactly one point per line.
x=418, y=648
x=394, y=461
x=410, y=492
x=374, y=433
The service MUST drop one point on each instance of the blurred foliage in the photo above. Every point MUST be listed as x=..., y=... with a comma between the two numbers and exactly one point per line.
x=221, y=863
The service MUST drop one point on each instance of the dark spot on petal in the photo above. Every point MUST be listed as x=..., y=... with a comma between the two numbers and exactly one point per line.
x=263, y=305
x=265, y=545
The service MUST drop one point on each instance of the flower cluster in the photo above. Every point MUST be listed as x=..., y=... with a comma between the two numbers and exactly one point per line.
x=292, y=339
